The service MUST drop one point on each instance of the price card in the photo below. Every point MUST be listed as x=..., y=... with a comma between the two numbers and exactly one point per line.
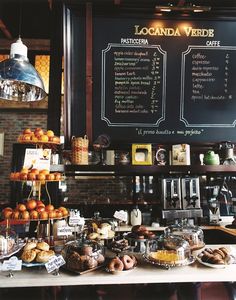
x=76, y=220
x=64, y=230
x=54, y=263
x=121, y=215
x=12, y=264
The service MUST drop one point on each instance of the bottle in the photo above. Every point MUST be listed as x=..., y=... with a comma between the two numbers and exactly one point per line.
x=135, y=216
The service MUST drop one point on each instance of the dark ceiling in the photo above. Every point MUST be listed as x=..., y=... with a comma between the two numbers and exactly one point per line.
x=28, y=18
x=31, y=19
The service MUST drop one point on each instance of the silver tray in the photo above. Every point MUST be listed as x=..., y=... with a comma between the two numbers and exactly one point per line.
x=166, y=265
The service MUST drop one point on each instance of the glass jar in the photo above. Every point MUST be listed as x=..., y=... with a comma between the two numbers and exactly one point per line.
x=8, y=239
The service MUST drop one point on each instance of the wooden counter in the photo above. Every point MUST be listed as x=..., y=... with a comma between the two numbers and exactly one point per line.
x=143, y=273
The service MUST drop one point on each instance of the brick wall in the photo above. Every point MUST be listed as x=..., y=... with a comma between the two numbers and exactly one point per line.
x=12, y=122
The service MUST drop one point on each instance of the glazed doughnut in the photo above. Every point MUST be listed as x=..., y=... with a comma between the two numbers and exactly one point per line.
x=134, y=259
x=127, y=261
x=116, y=265
x=91, y=263
x=100, y=259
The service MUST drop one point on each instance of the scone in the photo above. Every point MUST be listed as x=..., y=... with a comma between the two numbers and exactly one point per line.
x=44, y=256
x=30, y=246
x=42, y=246
x=28, y=256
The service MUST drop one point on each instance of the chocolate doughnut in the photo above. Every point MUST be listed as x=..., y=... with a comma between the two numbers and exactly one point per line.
x=127, y=261
x=115, y=265
x=87, y=250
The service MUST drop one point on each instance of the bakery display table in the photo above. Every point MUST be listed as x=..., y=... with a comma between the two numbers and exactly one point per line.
x=144, y=273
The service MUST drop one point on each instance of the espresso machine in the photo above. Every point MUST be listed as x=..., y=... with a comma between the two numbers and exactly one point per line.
x=171, y=193
x=181, y=199
x=213, y=204
x=190, y=192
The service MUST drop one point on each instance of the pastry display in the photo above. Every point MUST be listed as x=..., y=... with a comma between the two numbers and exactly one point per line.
x=119, y=245
x=217, y=256
x=33, y=174
x=33, y=209
x=100, y=231
x=169, y=252
x=83, y=256
x=140, y=232
x=38, y=135
x=36, y=252
x=122, y=263
x=192, y=234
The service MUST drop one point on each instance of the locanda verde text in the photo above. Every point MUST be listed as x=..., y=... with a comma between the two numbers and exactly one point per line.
x=165, y=31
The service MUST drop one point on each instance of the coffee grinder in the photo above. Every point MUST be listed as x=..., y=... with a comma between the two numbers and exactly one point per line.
x=213, y=204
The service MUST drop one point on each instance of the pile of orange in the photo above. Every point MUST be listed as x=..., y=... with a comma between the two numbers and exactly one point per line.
x=38, y=135
x=35, y=174
x=34, y=210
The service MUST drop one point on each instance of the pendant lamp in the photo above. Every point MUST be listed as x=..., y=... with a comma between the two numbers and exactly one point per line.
x=19, y=80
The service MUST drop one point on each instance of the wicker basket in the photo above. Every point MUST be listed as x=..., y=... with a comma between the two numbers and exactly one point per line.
x=79, y=150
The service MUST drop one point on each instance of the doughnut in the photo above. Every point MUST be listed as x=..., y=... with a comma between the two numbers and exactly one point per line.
x=127, y=262
x=115, y=265
x=100, y=259
x=134, y=259
x=138, y=228
x=91, y=263
x=87, y=250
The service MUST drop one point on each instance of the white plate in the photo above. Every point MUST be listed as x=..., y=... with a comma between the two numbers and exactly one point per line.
x=120, y=272
x=32, y=264
x=215, y=266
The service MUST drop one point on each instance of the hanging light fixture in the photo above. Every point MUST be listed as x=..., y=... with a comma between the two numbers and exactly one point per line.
x=19, y=80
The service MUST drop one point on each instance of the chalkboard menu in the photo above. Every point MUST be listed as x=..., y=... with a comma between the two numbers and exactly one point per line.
x=164, y=81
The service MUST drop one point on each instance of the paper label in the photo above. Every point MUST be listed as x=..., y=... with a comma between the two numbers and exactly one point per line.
x=121, y=215
x=54, y=263
x=64, y=230
x=75, y=220
x=12, y=264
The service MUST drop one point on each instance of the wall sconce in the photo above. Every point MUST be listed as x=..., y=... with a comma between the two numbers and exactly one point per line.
x=19, y=80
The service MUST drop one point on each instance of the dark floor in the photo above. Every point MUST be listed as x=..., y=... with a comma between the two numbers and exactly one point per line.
x=207, y=291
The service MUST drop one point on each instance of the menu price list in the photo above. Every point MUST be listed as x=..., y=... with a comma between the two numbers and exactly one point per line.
x=207, y=85
x=133, y=84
